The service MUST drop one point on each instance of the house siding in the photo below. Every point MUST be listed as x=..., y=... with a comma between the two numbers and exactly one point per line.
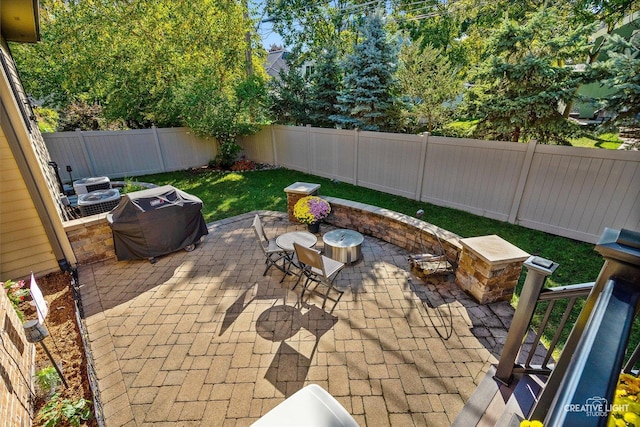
x=30, y=212
x=23, y=240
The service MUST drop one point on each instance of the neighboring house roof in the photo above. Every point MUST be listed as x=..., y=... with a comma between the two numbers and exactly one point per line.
x=19, y=20
x=276, y=61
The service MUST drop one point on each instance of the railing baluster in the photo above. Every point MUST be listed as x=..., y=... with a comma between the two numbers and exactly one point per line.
x=556, y=336
x=628, y=367
x=539, y=333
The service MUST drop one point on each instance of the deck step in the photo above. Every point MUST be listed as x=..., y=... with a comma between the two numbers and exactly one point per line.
x=522, y=399
x=487, y=395
x=494, y=404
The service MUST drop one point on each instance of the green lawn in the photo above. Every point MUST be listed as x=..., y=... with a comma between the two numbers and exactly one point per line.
x=465, y=128
x=229, y=194
x=609, y=141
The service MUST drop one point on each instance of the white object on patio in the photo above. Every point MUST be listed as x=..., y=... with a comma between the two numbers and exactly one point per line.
x=311, y=406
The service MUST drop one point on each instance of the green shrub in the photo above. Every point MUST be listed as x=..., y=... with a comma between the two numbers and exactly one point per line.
x=56, y=410
x=47, y=119
x=459, y=129
x=48, y=380
x=130, y=186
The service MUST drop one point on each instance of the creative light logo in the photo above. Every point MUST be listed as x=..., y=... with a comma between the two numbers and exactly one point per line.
x=596, y=407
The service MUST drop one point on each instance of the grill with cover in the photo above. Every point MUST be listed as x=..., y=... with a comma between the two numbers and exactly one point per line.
x=155, y=222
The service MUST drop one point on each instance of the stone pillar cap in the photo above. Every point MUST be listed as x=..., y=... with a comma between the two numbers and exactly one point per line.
x=302, y=188
x=494, y=249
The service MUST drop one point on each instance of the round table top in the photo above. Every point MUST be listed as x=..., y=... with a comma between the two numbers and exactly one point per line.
x=343, y=238
x=303, y=238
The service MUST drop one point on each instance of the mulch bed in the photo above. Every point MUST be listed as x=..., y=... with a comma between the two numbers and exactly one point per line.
x=64, y=342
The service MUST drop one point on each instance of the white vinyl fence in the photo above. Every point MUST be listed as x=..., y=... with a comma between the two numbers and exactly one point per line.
x=119, y=154
x=568, y=191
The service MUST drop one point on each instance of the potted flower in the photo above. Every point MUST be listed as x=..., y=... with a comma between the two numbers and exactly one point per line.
x=311, y=210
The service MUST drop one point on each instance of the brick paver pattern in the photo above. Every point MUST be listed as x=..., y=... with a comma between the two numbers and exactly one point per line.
x=203, y=338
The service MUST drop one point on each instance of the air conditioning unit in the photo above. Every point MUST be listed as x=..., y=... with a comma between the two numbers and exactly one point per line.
x=98, y=201
x=87, y=185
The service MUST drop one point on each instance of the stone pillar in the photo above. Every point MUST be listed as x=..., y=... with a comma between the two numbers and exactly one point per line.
x=297, y=191
x=489, y=268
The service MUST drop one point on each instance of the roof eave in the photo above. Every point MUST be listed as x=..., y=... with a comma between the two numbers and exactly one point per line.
x=20, y=20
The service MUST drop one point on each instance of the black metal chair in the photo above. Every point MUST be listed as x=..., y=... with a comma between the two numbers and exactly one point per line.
x=272, y=252
x=318, y=270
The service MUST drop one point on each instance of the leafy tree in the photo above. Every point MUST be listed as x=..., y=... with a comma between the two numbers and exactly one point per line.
x=621, y=71
x=47, y=119
x=430, y=81
x=210, y=109
x=311, y=25
x=518, y=86
x=136, y=59
x=439, y=24
x=369, y=98
x=325, y=88
x=80, y=115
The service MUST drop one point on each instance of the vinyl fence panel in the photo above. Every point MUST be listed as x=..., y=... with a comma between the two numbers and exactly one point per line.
x=577, y=192
x=472, y=175
x=259, y=147
x=292, y=147
x=182, y=149
x=332, y=154
x=67, y=149
x=122, y=154
x=389, y=163
x=119, y=154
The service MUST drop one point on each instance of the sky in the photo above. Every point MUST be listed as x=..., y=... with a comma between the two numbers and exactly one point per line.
x=265, y=30
x=269, y=37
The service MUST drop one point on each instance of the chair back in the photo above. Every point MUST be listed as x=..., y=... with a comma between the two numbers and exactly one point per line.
x=310, y=257
x=259, y=231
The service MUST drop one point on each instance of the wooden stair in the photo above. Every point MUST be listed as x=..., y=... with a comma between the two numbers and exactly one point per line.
x=494, y=404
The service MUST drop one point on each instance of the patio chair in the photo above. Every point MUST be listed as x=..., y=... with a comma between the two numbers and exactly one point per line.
x=318, y=271
x=272, y=252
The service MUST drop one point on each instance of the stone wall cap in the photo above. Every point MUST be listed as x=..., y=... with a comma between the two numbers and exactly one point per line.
x=86, y=221
x=302, y=188
x=494, y=249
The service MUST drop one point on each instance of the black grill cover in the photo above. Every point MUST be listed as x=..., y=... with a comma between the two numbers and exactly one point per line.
x=155, y=222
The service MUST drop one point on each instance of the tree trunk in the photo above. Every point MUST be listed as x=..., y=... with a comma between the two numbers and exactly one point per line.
x=247, y=38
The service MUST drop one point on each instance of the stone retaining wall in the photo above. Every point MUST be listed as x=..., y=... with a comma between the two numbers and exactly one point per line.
x=91, y=238
x=402, y=230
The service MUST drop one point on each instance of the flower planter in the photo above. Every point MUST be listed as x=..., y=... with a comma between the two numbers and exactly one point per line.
x=314, y=228
x=310, y=210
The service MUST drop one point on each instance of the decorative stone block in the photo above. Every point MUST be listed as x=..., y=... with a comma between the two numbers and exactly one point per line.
x=489, y=268
x=297, y=191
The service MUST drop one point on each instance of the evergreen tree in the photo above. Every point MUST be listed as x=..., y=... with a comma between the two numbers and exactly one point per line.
x=430, y=82
x=369, y=97
x=518, y=87
x=621, y=71
x=325, y=89
x=288, y=95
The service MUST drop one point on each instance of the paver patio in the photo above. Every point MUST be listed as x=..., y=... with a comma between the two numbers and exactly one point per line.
x=203, y=338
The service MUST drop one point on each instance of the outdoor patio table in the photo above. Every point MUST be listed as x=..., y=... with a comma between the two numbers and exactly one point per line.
x=343, y=245
x=286, y=240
